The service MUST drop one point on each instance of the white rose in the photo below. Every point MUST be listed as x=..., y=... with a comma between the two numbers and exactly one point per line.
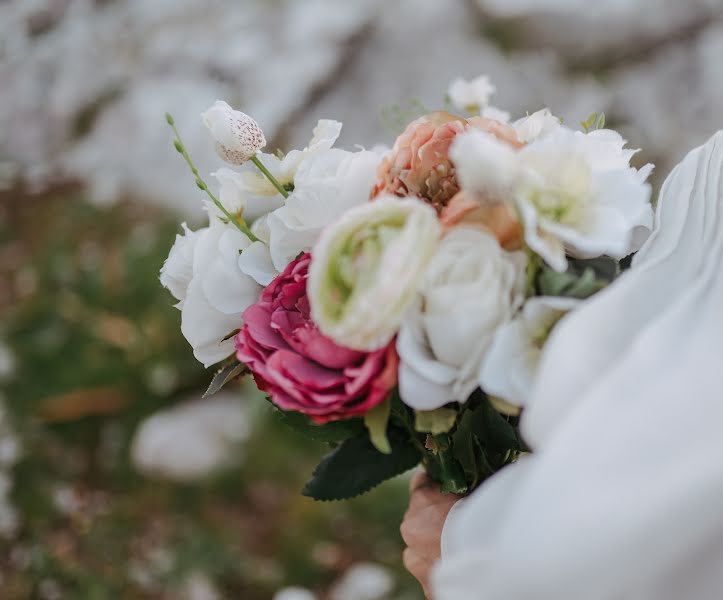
x=327, y=185
x=366, y=268
x=214, y=291
x=575, y=193
x=471, y=95
x=177, y=270
x=509, y=368
x=238, y=137
x=470, y=288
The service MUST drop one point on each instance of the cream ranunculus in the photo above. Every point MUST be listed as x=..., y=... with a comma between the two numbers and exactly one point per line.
x=509, y=368
x=575, y=193
x=470, y=288
x=366, y=267
x=204, y=274
x=238, y=137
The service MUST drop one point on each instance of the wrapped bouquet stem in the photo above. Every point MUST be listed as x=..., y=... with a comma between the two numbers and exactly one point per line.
x=395, y=303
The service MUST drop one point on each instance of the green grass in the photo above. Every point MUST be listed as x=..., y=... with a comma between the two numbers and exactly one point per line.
x=98, y=348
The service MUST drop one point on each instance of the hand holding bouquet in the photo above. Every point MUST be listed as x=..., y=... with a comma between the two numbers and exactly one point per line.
x=395, y=303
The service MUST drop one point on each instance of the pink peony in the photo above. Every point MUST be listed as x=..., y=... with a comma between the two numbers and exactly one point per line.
x=301, y=369
x=419, y=164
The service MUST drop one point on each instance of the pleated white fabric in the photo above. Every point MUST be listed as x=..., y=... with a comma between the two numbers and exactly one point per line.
x=623, y=497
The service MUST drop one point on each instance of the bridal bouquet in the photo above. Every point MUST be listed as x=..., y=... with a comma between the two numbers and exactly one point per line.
x=394, y=303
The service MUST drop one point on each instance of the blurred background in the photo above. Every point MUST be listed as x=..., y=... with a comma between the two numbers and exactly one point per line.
x=116, y=479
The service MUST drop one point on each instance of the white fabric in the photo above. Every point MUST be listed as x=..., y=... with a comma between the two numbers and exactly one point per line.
x=622, y=498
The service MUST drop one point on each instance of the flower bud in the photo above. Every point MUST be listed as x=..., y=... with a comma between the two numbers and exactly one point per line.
x=238, y=137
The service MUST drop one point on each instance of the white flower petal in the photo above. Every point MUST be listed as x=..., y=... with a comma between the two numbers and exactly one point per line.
x=205, y=327
x=536, y=125
x=255, y=261
x=177, y=270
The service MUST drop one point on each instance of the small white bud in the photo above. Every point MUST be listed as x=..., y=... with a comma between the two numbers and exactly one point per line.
x=238, y=137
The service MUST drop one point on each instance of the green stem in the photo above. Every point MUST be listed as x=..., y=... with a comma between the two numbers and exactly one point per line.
x=534, y=264
x=260, y=166
x=239, y=223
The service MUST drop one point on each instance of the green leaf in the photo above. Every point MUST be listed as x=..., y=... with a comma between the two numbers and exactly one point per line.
x=436, y=421
x=499, y=434
x=582, y=279
x=376, y=421
x=225, y=374
x=330, y=433
x=355, y=467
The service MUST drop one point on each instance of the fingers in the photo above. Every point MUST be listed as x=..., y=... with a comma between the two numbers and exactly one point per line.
x=419, y=567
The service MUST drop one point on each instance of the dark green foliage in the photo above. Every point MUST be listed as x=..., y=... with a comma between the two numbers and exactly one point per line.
x=356, y=466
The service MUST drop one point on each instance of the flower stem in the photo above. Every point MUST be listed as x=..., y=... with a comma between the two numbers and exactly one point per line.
x=275, y=182
x=181, y=149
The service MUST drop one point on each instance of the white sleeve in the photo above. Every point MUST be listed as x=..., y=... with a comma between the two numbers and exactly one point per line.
x=622, y=498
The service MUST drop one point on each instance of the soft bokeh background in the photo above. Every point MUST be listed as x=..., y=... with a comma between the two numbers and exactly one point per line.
x=116, y=479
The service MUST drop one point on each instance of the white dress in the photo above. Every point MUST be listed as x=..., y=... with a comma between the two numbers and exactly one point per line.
x=623, y=497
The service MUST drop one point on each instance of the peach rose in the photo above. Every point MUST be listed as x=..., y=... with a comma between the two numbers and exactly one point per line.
x=419, y=163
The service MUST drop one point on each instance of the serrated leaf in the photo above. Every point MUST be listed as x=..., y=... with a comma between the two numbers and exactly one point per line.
x=333, y=432
x=228, y=373
x=356, y=466
x=376, y=421
x=437, y=421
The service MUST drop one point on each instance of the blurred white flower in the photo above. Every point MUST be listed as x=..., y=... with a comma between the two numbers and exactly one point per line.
x=509, y=367
x=366, y=268
x=575, y=193
x=204, y=271
x=294, y=593
x=470, y=288
x=237, y=136
x=364, y=581
x=198, y=586
x=471, y=95
x=191, y=440
x=535, y=125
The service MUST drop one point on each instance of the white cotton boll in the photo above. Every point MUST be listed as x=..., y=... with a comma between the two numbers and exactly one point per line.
x=191, y=440
x=294, y=593
x=363, y=581
x=485, y=165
